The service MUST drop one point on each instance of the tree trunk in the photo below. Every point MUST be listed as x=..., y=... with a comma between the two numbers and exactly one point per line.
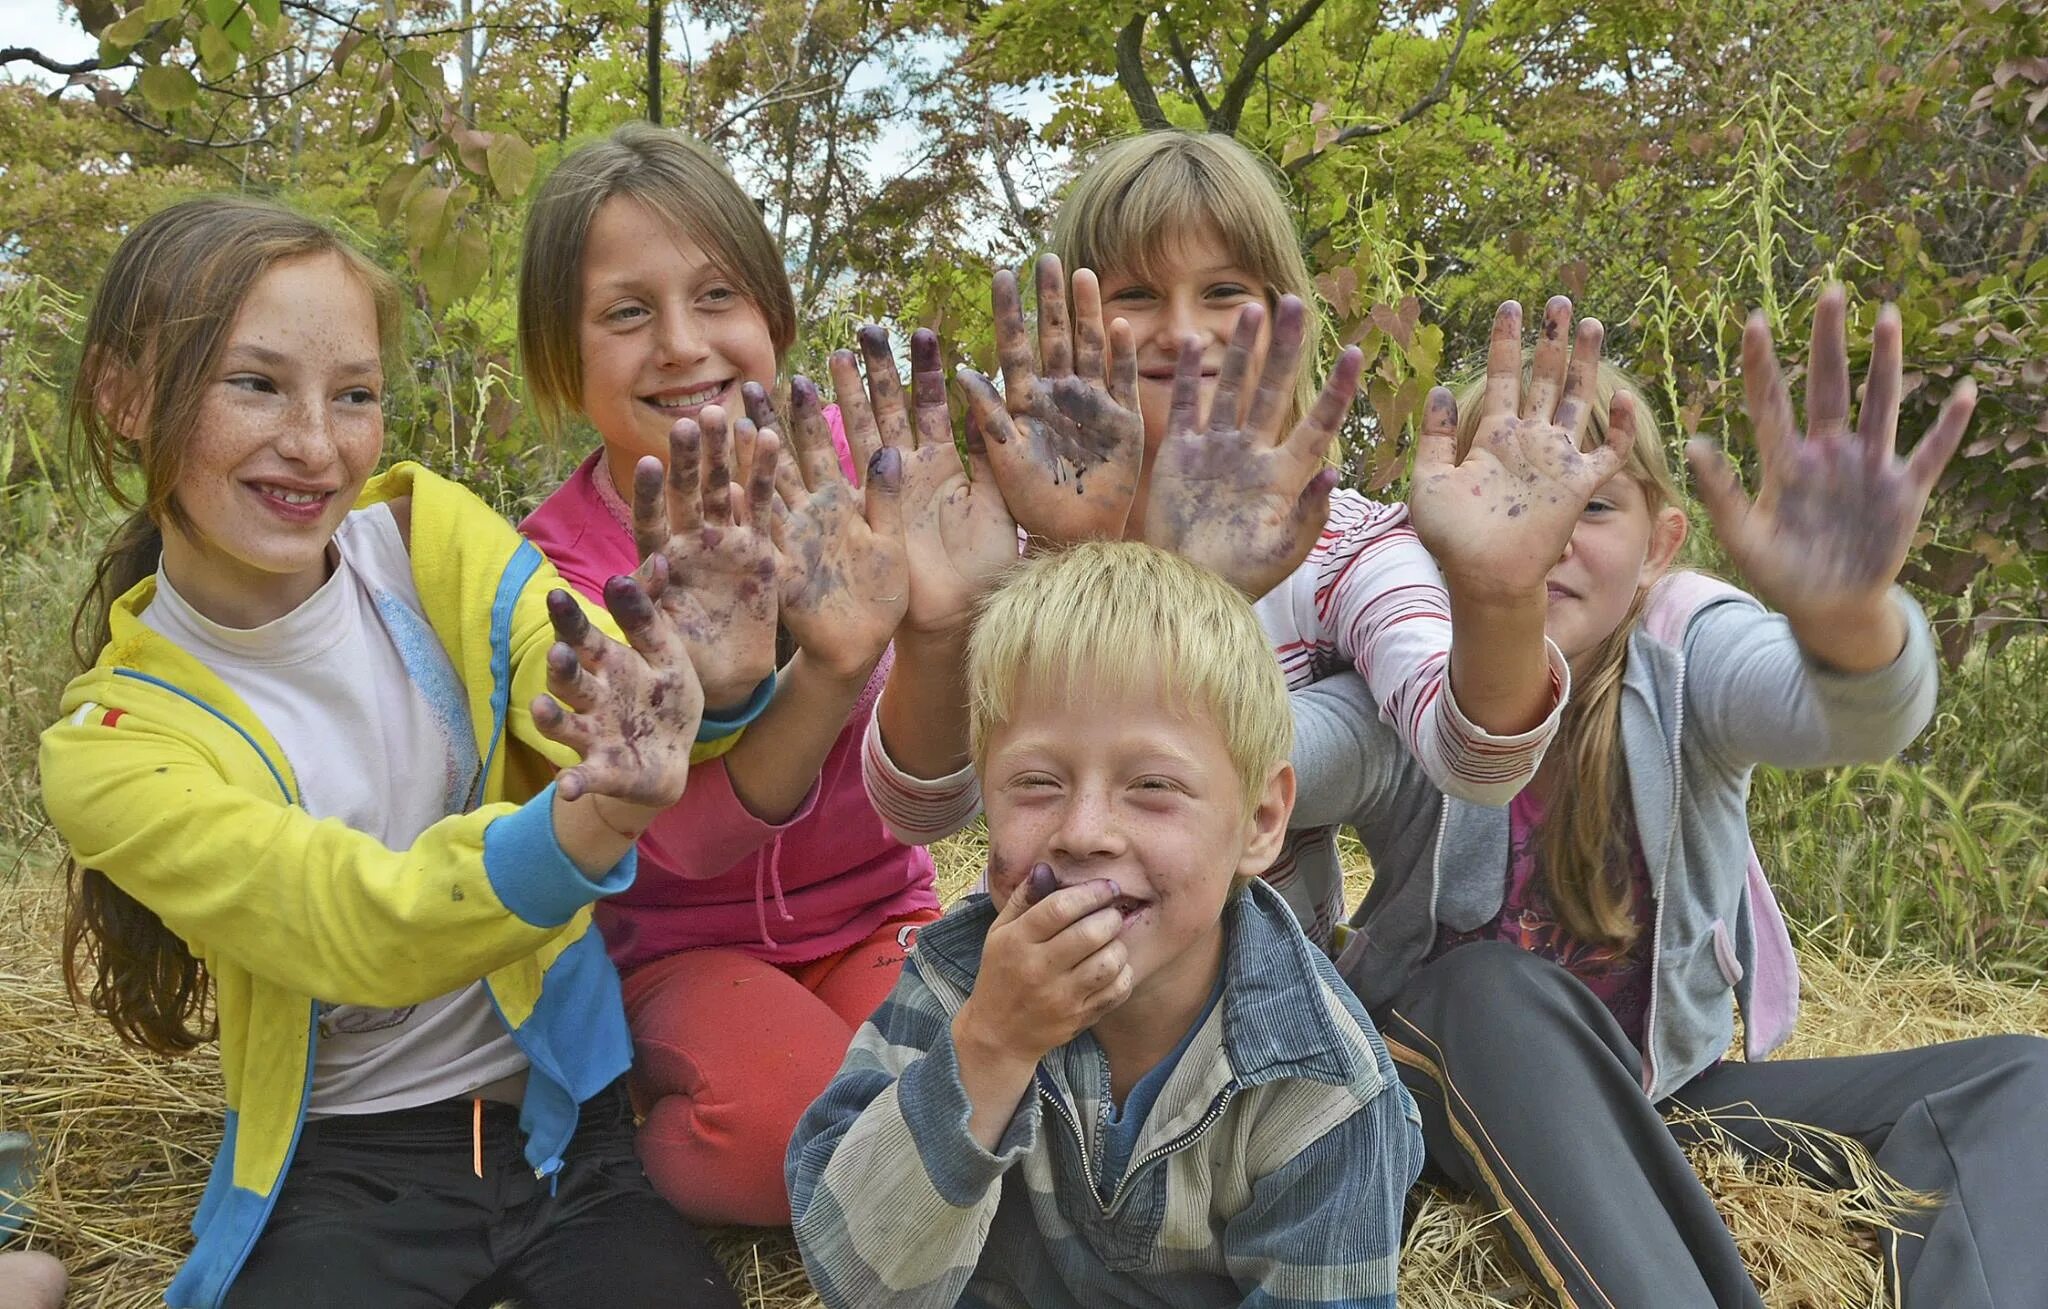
x=654, y=16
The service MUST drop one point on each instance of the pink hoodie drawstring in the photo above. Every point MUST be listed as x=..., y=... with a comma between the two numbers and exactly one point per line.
x=768, y=865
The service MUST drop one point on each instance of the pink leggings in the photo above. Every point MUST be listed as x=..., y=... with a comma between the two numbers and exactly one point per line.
x=729, y=1052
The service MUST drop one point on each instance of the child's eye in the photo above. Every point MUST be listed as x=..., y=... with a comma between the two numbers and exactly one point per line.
x=625, y=314
x=1157, y=785
x=1033, y=782
x=1229, y=291
x=251, y=382
x=1133, y=295
x=359, y=395
x=1599, y=506
x=719, y=295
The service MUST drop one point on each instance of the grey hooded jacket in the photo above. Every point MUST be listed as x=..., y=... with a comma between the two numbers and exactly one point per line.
x=1694, y=722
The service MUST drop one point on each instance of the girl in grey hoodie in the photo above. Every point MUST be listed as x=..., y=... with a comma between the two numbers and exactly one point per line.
x=1555, y=977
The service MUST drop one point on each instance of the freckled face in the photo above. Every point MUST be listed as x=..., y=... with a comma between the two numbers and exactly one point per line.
x=1617, y=548
x=289, y=430
x=1132, y=791
x=662, y=331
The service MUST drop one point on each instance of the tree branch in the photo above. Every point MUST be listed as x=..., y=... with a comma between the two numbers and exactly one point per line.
x=1435, y=97
x=19, y=54
x=1130, y=74
x=1187, y=68
x=1258, y=48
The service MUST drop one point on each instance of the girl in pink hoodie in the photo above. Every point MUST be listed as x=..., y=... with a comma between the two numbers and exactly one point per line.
x=773, y=907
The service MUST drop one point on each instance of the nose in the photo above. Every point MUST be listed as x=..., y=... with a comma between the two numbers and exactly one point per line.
x=1087, y=830
x=1176, y=321
x=307, y=435
x=679, y=339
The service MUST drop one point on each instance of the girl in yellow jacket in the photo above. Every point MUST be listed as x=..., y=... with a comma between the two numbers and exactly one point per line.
x=310, y=778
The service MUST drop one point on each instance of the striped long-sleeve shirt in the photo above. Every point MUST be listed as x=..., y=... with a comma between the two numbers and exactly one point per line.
x=1367, y=597
x=1269, y=1171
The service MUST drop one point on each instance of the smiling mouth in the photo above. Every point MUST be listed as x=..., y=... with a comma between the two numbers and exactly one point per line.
x=679, y=403
x=289, y=495
x=1129, y=906
x=1556, y=592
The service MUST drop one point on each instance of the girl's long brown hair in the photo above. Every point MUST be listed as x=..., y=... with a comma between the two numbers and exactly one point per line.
x=1583, y=841
x=159, y=325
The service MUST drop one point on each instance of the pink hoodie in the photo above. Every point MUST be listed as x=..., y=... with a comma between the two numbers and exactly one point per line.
x=712, y=874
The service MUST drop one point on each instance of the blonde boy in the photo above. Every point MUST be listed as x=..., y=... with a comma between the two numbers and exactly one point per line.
x=1123, y=1076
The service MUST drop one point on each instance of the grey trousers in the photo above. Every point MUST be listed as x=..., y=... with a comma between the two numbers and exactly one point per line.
x=1531, y=1095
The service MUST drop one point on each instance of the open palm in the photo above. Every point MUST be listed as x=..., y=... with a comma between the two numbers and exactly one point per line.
x=1067, y=443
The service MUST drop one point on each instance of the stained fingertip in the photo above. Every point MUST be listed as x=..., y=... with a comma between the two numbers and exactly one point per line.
x=885, y=468
x=803, y=392
x=924, y=349
x=1323, y=484
x=561, y=661
x=1441, y=411
x=569, y=785
x=1250, y=319
x=627, y=602
x=547, y=713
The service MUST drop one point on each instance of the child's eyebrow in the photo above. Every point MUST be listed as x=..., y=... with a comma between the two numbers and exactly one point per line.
x=278, y=359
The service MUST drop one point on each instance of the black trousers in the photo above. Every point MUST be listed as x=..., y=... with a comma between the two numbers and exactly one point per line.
x=387, y=1210
x=1531, y=1096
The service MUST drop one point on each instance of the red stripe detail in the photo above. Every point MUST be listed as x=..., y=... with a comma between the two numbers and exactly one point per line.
x=113, y=716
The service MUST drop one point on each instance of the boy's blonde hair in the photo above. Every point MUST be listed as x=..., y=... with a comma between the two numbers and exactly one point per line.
x=1583, y=843
x=681, y=181
x=1110, y=619
x=1142, y=195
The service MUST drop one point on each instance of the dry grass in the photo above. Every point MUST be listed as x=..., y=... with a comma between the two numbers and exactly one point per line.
x=127, y=1139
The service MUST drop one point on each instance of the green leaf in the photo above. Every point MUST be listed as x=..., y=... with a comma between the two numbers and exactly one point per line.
x=215, y=54
x=168, y=87
x=418, y=78
x=128, y=32
x=267, y=12
x=512, y=165
x=218, y=11
x=241, y=32
x=455, y=266
x=395, y=191
x=376, y=130
x=158, y=11
x=426, y=218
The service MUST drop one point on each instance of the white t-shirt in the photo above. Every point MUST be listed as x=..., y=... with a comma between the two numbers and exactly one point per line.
x=356, y=688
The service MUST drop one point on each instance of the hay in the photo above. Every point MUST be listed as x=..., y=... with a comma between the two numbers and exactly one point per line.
x=126, y=1138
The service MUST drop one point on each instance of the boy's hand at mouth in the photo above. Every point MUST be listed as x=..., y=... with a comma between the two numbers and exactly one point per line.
x=1052, y=967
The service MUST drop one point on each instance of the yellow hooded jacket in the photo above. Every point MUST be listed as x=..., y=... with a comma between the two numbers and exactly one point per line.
x=160, y=777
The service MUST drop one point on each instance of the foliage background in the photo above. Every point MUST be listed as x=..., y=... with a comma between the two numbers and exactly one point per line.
x=1669, y=163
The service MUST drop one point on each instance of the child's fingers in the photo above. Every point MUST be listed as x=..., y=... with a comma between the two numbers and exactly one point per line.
x=1069, y=908
x=685, y=477
x=568, y=680
x=1090, y=342
x=1237, y=359
x=1827, y=365
x=1547, y=365
x=928, y=389
x=1110, y=994
x=1283, y=358
x=987, y=415
x=1123, y=365
x=767, y=468
x=760, y=407
x=559, y=725
x=882, y=496
x=1582, y=383
x=1055, y=337
x=1877, y=425
x=640, y=622
x=1764, y=395
x=1939, y=445
x=1720, y=487
x=1310, y=440
x=790, y=496
x=1184, y=411
x=717, y=466
x=1503, y=395
x=1033, y=887
x=817, y=459
x=1623, y=423
x=650, y=518
x=572, y=626
x=854, y=413
x=1013, y=346
x=1437, y=445
x=885, y=388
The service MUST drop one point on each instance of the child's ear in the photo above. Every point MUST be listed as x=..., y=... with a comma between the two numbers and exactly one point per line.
x=1668, y=531
x=1268, y=825
x=118, y=394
